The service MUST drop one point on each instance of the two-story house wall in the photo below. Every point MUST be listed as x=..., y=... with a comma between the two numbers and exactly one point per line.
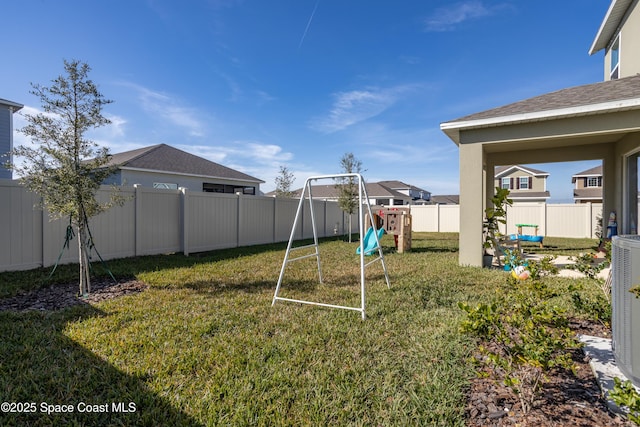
x=7, y=108
x=525, y=184
x=619, y=36
x=587, y=186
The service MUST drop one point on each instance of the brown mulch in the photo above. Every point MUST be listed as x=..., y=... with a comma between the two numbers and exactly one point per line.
x=56, y=297
x=566, y=400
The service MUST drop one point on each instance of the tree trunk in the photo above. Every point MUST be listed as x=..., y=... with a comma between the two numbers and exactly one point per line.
x=83, y=259
x=349, y=228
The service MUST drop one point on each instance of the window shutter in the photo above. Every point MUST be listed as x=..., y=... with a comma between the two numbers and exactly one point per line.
x=517, y=183
x=530, y=182
x=510, y=183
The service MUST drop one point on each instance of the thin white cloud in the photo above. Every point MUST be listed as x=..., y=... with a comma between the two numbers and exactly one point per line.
x=254, y=158
x=213, y=153
x=168, y=108
x=110, y=131
x=353, y=107
x=410, y=146
x=239, y=154
x=447, y=18
x=266, y=153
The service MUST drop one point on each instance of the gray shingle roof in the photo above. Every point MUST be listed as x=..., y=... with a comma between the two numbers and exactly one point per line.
x=587, y=193
x=445, y=199
x=11, y=104
x=578, y=96
x=399, y=185
x=501, y=169
x=164, y=158
x=374, y=191
x=519, y=195
x=595, y=171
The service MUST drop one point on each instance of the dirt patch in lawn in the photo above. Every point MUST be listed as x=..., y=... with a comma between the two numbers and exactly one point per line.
x=56, y=297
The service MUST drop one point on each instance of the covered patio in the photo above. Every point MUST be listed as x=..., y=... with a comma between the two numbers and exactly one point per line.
x=590, y=122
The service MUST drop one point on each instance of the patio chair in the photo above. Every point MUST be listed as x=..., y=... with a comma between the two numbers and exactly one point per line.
x=507, y=245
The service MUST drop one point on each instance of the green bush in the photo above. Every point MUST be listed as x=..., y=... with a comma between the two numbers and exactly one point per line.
x=626, y=396
x=525, y=336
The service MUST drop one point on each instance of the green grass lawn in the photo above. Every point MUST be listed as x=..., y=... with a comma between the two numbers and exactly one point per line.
x=203, y=345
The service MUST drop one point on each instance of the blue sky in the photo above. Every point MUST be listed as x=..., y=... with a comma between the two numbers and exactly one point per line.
x=255, y=84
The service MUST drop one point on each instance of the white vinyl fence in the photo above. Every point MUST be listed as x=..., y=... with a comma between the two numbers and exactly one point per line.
x=156, y=221
x=561, y=220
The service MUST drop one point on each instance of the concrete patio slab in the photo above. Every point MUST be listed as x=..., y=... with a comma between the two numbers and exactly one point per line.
x=604, y=366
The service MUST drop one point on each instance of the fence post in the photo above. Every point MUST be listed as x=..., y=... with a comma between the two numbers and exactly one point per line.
x=184, y=219
x=589, y=220
x=239, y=219
x=44, y=221
x=325, y=219
x=138, y=218
x=438, y=217
x=275, y=220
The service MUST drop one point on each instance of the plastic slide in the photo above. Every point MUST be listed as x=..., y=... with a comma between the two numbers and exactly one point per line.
x=370, y=244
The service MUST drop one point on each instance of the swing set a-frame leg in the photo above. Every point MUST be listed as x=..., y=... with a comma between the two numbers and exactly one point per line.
x=363, y=199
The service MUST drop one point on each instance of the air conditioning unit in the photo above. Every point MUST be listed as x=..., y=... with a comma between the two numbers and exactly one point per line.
x=625, y=322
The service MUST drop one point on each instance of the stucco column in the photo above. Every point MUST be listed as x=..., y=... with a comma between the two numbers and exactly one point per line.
x=472, y=183
x=611, y=182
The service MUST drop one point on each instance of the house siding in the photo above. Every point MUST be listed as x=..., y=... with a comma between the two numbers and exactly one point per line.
x=629, y=64
x=5, y=140
x=537, y=183
x=582, y=183
x=146, y=179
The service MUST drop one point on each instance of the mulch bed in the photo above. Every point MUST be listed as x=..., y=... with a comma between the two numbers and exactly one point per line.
x=56, y=297
x=566, y=400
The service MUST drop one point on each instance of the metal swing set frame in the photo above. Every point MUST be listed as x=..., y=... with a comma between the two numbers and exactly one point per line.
x=363, y=199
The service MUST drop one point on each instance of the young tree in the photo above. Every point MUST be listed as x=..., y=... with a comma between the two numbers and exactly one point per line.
x=65, y=168
x=347, y=187
x=284, y=181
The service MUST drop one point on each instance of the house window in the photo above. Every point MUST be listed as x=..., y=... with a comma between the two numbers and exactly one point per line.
x=228, y=189
x=166, y=185
x=615, y=59
x=593, y=182
x=506, y=183
x=524, y=182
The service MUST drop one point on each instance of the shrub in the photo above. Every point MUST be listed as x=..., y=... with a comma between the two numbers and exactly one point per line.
x=524, y=337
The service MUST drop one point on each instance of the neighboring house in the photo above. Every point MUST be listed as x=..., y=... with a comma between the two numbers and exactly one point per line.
x=7, y=108
x=418, y=195
x=588, y=186
x=163, y=166
x=525, y=184
x=599, y=121
x=449, y=199
x=378, y=193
